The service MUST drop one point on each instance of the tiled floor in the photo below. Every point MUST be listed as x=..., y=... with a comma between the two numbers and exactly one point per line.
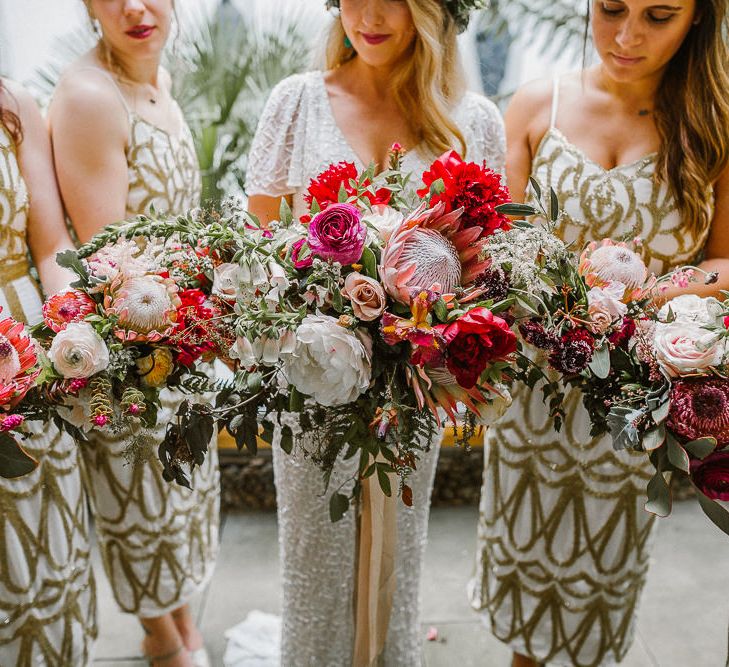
x=683, y=619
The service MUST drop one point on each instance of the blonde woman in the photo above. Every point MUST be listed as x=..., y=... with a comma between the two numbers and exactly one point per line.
x=636, y=146
x=47, y=594
x=392, y=75
x=121, y=147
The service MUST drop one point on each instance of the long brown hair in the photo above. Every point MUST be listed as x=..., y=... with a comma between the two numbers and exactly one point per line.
x=429, y=82
x=9, y=118
x=692, y=115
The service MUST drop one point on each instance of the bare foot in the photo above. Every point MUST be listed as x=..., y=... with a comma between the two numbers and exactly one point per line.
x=163, y=645
x=523, y=661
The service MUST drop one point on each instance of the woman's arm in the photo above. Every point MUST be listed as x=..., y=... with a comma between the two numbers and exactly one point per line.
x=266, y=208
x=89, y=131
x=47, y=233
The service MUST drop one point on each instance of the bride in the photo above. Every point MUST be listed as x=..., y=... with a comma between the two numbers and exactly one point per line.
x=392, y=74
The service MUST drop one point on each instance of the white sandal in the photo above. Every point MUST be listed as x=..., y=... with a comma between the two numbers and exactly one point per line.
x=200, y=657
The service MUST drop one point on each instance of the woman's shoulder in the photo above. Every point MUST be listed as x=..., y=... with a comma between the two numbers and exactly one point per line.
x=16, y=98
x=293, y=87
x=475, y=104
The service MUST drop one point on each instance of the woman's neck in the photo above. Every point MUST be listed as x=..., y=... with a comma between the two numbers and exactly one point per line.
x=372, y=82
x=640, y=94
x=140, y=71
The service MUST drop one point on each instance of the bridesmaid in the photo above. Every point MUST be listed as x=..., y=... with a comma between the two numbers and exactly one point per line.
x=47, y=593
x=392, y=73
x=636, y=146
x=121, y=147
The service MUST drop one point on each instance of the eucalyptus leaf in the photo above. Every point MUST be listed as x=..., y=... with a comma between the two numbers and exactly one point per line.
x=701, y=447
x=600, y=362
x=654, y=438
x=677, y=455
x=536, y=187
x=718, y=514
x=659, y=496
x=660, y=413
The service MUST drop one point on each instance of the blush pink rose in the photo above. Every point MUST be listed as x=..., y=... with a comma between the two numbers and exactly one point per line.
x=366, y=294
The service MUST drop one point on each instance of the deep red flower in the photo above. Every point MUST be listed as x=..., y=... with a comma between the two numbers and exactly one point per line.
x=326, y=186
x=475, y=188
x=194, y=324
x=700, y=408
x=473, y=341
x=712, y=475
x=621, y=337
x=573, y=352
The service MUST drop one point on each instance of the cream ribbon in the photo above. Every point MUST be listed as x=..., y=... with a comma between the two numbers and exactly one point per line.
x=376, y=581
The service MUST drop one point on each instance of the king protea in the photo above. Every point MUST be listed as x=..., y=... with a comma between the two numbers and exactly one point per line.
x=18, y=362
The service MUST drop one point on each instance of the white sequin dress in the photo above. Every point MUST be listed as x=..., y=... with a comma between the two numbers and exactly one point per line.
x=47, y=593
x=564, y=540
x=297, y=139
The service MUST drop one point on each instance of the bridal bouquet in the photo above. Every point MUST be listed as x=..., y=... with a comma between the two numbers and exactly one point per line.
x=358, y=326
x=656, y=379
x=136, y=321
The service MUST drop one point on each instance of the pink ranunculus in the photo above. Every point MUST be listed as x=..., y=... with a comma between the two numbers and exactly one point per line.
x=366, y=294
x=712, y=475
x=338, y=234
x=298, y=261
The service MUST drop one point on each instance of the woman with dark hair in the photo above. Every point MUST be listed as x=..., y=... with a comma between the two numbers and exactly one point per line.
x=636, y=146
x=391, y=74
x=122, y=147
x=47, y=593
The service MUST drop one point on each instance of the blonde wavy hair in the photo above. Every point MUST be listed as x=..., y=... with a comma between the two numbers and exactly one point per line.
x=692, y=115
x=429, y=82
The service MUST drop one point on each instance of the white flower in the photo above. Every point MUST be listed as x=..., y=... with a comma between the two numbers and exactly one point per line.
x=683, y=348
x=78, y=351
x=226, y=278
x=330, y=363
x=266, y=350
x=384, y=219
x=279, y=282
x=605, y=305
x=496, y=408
x=692, y=308
x=9, y=360
x=244, y=351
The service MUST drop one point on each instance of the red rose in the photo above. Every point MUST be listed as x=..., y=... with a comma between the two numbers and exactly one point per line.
x=325, y=187
x=475, y=188
x=712, y=475
x=473, y=341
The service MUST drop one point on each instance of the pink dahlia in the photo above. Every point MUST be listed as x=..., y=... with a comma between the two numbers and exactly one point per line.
x=337, y=234
x=70, y=306
x=431, y=250
x=146, y=307
x=700, y=408
x=18, y=362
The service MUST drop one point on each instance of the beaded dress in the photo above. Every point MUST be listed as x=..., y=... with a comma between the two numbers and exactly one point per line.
x=564, y=539
x=158, y=540
x=47, y=592
x=297, y=138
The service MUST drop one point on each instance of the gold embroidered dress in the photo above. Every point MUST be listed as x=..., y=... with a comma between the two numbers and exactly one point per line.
x=47, y=593
x=158, y=540
x=564, y=539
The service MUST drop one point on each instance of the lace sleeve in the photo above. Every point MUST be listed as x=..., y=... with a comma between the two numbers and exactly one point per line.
x=485, y=133
x=269, y=170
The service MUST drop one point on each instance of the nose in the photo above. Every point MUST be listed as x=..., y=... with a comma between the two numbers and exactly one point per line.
x=630, y=33
x=133, y=7
x=372, y=12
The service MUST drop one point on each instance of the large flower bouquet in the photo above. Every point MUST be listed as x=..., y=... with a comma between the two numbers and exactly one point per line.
x=656, y=379
x=20, y=398
x=359, y=326
x=136, y=321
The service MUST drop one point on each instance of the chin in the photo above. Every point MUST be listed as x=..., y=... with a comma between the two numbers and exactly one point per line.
x=627, y=74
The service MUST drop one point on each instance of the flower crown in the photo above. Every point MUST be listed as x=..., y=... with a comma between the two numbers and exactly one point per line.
x=460, y=10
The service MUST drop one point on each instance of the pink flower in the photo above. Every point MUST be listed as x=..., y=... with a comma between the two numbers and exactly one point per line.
x=431, y=251
x=101, y=420
x=700, y=408
x=18, y=362
x=605, y=306
x=606, y=261
x=70, y=306
x=296, y=250
x=338, y=234
x=11, y=422
x=366, y=294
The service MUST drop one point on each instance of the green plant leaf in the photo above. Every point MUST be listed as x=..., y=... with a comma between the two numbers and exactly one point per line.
x=659, y=496
x=384, y=478
x=718, y=515
x=338, y=506
x=287, y=439
x=440, y=309
x=654, y=438
x=677, y=455
x=660, y=413
x=600, y=363
x=14, y=460
x=369, y=263
x=701, y=447
x=516, y=209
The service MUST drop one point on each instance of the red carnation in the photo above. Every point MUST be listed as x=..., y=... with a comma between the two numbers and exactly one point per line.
x=473, y=341
x=573, y=352
x=473, y=187
x=326, y=186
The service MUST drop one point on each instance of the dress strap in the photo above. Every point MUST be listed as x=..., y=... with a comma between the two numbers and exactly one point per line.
x=555, y=103
x=114, y=83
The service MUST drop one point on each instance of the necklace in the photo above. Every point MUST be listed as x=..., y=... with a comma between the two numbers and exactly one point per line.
x=644, y=112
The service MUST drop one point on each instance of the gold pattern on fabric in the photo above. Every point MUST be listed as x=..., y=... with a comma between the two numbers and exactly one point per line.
x=564, y=539
x=158, y=540
x=47, y=593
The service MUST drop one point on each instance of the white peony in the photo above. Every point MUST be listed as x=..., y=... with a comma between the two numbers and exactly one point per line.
x=226, y=278
x=78, y=351
x=384, y=219
x=330, y=363
x=683, y=348
x=692, y=308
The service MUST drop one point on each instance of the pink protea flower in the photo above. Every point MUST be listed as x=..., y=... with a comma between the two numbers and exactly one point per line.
x=70, y=306
x=431, y=250
x=18, y=362
x=146, y=307
x=606, y=261
x=699, y=408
